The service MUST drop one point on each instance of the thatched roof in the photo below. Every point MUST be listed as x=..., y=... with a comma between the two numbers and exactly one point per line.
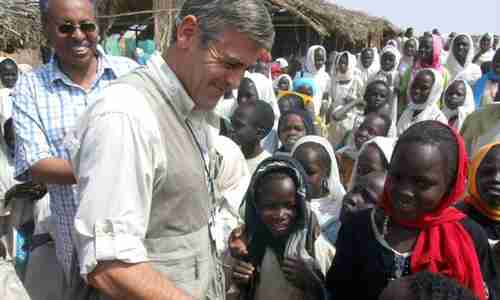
x=329, y=19
x=19, y=24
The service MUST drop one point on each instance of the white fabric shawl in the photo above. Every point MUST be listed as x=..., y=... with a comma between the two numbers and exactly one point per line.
x=463, y=111
x=469, y=71
x=321, y=78
x=367, y=74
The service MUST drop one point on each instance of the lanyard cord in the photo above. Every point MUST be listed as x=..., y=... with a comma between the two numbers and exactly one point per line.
x=205, y=165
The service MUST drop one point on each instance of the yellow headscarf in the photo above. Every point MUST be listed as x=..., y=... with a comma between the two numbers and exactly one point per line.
x=305, y=98
x=475, y=198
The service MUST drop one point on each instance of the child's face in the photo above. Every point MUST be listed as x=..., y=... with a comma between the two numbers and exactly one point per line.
x=277, y=206
x=364, y=194
x=455, y=95
x=370, y=160
x=372, y=126
x=421, y=87
x=319, y=59
x=291, y=131
x=247, y=93
x=376, y=95
x=283, y=84
x=410, y=48
x=316, y=171
x=8, y=75
x=306, y=90
x=425, y=50
x=485, y=43
x=419, y=180
x=461, y=48
x=343, y=64
x=244, y=132
x=488, y=178
x=388, y=61
x=367, y=58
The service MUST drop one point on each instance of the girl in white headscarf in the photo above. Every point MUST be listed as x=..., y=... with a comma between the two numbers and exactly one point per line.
x=485, y=52
x=459, y=63
x=458, y=103
x=389, y=62
x=424, y=94
x=231, y=181
x=315, y=68
x=283, y=83
x=410, y=48
x=316, y=155
x=368, y=65
x=346, y=88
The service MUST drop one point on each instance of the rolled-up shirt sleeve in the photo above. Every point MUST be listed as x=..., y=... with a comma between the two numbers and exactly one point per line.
x=117, y=160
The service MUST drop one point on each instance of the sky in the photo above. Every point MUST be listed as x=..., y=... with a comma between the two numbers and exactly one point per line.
x=464, y=16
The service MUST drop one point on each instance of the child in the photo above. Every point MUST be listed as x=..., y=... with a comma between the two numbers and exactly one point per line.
x=483, y=203
x=247, y=91
x=287, y=255
x=374, y=125
x=250, y=124
x=291, y=101
x=8, y=73
x=389, y=68
x=424, y=94
x=364, y=194
x=316, y=156
x=292, y=126
x=417, y=228
x=283, y=83
x=379, y=99
x=426, y=286
x=409, y=53
x=369, y=65
x=459, y=103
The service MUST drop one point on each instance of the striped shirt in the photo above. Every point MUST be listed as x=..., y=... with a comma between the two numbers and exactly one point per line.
x=47, y=105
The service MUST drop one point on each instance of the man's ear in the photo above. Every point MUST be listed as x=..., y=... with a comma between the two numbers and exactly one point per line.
x=186, y=32
x=261, y=133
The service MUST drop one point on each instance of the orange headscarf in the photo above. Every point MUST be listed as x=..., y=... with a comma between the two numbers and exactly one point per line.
x=474, y=198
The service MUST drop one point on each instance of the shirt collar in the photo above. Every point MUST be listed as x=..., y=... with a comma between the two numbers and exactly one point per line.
x=103, y=65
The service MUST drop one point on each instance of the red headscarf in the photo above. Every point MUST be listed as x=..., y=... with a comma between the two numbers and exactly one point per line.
x=443, y=245
x=437, y=44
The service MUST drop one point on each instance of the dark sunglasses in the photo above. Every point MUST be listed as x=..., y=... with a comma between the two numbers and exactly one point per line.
x=86, y=27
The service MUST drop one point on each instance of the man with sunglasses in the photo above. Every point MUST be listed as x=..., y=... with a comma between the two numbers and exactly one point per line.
x=145, y=160
x=48, y=103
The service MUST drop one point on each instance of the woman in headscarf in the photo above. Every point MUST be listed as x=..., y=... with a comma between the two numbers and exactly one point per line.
x=410, y=48
x=287, y=257
x=317, y=157
x=424, y=95
x=460, y=63
x=486, y=88
x=346, y=88
x=429, y=57
x=458, y=102
x=485, y=52
x=315, y=68
x=293, y=125
x=283, y=83
x=416, y=228
x=483, y=203
x=368, y=65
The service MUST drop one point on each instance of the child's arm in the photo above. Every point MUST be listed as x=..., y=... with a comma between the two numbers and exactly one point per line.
x=238, y=243
x=242, y=272
x=302, y=275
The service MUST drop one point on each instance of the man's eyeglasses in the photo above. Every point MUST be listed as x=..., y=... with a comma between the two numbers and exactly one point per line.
x=86, y=27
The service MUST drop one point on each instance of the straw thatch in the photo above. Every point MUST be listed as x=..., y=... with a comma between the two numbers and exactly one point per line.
x=19, y=24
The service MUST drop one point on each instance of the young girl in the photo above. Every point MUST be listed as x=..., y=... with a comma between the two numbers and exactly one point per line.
x=368, y=65
x=317, y=157
x=416, y=229
x=283, y=83
x=346, y=88
x=459, y=62
x=459, y=103
x=287, y=255
x=424, y=94
x=293, y=125
x=409, y=53
x=389, y=62
x=483, y=203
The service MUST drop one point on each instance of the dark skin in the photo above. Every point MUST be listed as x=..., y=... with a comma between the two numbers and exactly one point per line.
x=283, y=84
x=410, y=48
x=371, y=160
x=245, y=132
x=398, y=289
x=422, y=87
x=426, y=50
x=276, y=206
x=247, y=92
x=367, y=57
x=484, y=46
x=496, y=63
x=364, y=194
x=8, y=74
x=372, y=126
x=376, y=95
x=488, y=178
x=461, y=48
x=388, y=62
x=343, y=64
x=316, y=169
x=455, y=95
x=306, y=90
x=319, y=58
x=291, y=130
x=420, y=180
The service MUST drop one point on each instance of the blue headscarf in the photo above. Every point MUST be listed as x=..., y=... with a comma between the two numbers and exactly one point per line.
x=305, y=81
x=481, y=83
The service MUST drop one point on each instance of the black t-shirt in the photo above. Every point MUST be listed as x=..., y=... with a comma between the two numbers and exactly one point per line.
x=362, y=267
x=491, y=227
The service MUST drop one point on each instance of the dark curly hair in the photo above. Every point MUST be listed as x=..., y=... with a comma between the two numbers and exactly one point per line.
x=432, y=286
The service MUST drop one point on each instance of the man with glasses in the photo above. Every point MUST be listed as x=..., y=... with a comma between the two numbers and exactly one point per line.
x=48, y=103
x=145, y=165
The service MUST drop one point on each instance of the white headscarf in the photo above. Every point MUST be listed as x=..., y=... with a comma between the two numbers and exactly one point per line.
x=407, y=61
x=393, y=74
x=462, y=111
x=469, y=71
x=351, y=67
x=288, y=78
x=321, y=78
x=385, y=144
x=429, y=110
x=282, y=62
x=488, y=55
x=326, y=209
x=367, y=74
x=232, y=180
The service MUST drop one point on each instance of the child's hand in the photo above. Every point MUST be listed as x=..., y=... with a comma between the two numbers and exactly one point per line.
x=298, y=272
x=237, y=243
x=242, y=272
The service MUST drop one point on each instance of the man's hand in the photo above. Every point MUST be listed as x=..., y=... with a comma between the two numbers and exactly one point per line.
x=237, y=243
x=242, y=272
x=53, y=171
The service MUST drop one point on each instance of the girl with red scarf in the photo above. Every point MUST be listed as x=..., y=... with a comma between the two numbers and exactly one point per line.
x=416, y=228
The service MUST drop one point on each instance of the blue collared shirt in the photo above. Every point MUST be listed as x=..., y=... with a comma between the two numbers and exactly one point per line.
x=46, y=106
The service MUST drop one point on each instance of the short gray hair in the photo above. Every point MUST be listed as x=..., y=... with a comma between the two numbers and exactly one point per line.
x=249, y=17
